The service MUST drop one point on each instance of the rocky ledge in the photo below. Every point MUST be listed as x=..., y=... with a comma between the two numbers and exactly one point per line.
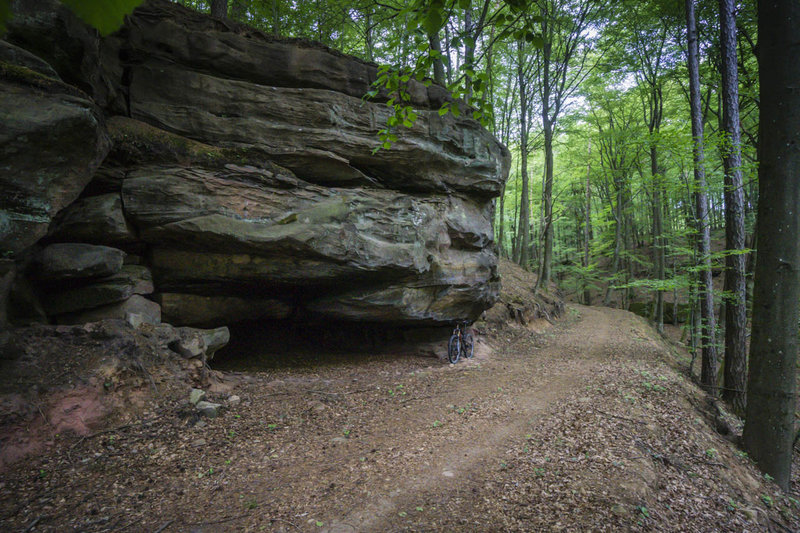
x=204, y=172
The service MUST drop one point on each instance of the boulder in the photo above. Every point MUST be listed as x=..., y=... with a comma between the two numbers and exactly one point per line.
x=66, y=261
x=96, y=220
x=49, y=29
x=211, y=311
x=52, y=132
x=257, y=193
x=139, y=305
x=130, y=280
x=323, y=136
x=219, y=232
x=192, y=343
x=22, y=58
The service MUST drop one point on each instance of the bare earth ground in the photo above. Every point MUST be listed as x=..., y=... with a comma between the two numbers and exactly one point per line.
x=587, y=425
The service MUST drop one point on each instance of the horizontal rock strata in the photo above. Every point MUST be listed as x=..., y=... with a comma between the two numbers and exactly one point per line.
x=245, y=192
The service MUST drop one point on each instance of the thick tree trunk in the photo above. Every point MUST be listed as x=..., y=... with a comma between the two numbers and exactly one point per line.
x=736, y=310
x=219, y=9
x=771, y=388
x=706, y=288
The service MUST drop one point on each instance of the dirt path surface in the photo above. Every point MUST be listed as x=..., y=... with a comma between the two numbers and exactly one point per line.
x=585, y=425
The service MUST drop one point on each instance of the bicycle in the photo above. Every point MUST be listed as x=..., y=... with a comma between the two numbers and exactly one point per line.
x=461, y=343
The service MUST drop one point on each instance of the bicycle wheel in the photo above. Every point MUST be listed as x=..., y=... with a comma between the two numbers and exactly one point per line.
x=469, y=346
x=453, y=349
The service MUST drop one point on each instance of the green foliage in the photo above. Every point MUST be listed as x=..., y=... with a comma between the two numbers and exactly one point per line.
x=104, y=15
x=5, y=15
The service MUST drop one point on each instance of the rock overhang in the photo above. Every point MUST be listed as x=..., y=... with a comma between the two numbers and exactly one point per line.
x=255, y=193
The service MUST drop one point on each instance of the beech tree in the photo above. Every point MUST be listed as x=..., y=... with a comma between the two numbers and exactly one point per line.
x=735, y=308
x=706, y=287
x=769, y=428
x=562, y=65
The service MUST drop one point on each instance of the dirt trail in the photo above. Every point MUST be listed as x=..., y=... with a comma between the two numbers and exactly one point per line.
x=579, y=426
x=525, y=380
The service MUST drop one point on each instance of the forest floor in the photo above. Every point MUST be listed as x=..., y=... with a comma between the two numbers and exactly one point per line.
x=586, y=425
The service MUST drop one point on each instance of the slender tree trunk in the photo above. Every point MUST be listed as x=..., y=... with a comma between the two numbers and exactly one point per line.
x=501, y=224
x=438, y=64
x=735, y=287
x=547, y=197
x=276, y=18
x=587, y=227
x=524, y=210
x=706, y=288
x=369, y=44
x=219, y=9
x=469, y=50
x=658, y=236
x=771, y=389
x=238, y=11
x=516, y=232
x=617, y=213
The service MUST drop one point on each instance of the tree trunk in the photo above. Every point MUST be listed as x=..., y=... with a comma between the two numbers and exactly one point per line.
x=501, y=224
x=238, y=11
x=369, y=44
x=469, y=51
x=276, y=19
x=736, y=310
x=524, y=209
x=547, y=197
x=658, y=236
x=438, y=64
x=706, y=288
x=587, y=228
x=219, y=9
x=771, y=389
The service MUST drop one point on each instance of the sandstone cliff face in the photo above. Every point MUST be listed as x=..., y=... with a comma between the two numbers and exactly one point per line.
x=242, y=175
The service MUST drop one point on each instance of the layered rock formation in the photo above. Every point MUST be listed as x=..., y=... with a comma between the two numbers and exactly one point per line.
x=243, y=181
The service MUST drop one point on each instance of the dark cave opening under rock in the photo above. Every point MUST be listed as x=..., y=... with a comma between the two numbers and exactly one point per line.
x=264, y=344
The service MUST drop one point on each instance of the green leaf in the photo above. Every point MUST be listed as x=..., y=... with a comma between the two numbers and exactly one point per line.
x=5, y=15
x=433, y=22
x=537, y=41
x=443, y=110
x=106, y=16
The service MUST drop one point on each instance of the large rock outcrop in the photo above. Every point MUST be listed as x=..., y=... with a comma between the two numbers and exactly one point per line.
x=244, y=176
x=52, y=140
